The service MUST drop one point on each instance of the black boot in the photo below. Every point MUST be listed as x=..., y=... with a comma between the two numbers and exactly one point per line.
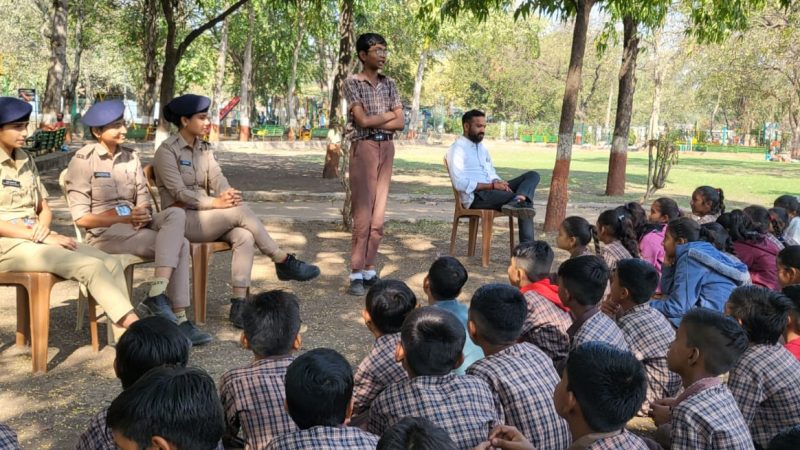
x=294, y=269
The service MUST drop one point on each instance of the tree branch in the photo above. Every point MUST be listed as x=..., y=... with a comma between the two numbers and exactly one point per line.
x=202, y=29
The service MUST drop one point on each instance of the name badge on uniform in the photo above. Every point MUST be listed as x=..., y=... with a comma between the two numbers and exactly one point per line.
x=123, y=210
x=12, y=183
x=185, y=162
x=102, y=174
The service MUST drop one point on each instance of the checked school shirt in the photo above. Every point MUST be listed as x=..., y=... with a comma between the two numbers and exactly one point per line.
x=593, y=325
x=376, y=371
x=620, y=440
x=709, y=419
x=546, y=327
x=325, y=438
x=8, y=438
x=614, y=252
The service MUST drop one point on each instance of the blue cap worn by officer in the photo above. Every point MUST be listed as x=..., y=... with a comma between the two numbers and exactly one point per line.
x=104, y=113
x=14, y=110
x=185, y=106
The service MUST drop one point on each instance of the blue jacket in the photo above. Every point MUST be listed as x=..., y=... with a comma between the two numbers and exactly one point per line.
x=701, y=276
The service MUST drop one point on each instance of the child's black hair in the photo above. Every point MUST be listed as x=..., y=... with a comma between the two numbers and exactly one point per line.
x=149, y=342
x=716, y=234
x=619, y=221
x=446, y=277
x=640, y=220
x=366, y=41
x=759, y=217
x=498, y=311
x=761, y=311
x=388, y=303
x=415, y=433
x=433, y=341
x=179, y=404
x=713, y=195
x=790, y=257
x=789, y=203
x=639, y=277
x=792, y=292
x=535, y=258
x=319, y=385
x=779, y=220
x=684, y=228
x=585, y=278
x=668, y=207
x=609, y=384
x=740, y=227
x=583, y=231
x=787, y=439
x=271, y=322
x=719, y=338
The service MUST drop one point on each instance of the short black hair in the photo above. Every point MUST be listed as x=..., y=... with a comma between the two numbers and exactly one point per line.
x=585, y=278
x=446, y=277
x=609, y=384
x=271, y=322
x=684, y=228
x=319, y=385
x=150, y=342
x=433, y=340
x=719, y=338
x=469, y=115
x=498, y=311
x=790, y=257
x=180, y=404
x=787, y=202
x=761, y=311
x=367, y=40
x=415, y=433
x=787, y=439
x=792, y=292
x=388, y=303
x=639, y=277
x=535, y=258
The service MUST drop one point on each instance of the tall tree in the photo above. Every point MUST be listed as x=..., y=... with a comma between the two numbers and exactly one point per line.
x=299, y=28
x=51, y=103
x=150, y=50
x=245, y=100
x=219, y=81
x=337, y=113
x=73, y=75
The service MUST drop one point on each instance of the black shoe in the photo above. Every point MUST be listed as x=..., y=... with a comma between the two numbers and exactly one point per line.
x=369, y=282
x=519, y=208
x=194, y=334
x=157, y=306
x=294, y=269
x=235, y=316
x=357, y=287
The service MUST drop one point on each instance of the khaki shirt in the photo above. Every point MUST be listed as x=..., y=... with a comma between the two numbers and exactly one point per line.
x=98, y=181
x=20, y=193
x=187, y=174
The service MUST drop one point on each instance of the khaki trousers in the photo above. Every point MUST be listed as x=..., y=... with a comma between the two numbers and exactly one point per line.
x=163, y=241
x=102, y=273
x=370, y=177
x=239, y=227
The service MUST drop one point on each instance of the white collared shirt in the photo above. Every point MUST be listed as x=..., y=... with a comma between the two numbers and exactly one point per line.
x=469, y=164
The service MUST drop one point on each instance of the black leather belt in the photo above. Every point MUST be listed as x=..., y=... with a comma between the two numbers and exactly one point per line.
x=379, y=137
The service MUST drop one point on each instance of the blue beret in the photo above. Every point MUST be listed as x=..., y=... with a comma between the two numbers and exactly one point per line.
x=14, y=110
x=104, y=113
x=185, y=106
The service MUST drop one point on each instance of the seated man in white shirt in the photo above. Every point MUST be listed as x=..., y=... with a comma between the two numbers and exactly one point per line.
x=476, y=180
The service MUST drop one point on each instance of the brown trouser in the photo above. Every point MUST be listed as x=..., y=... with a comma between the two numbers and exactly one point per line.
x=239, y=227
x=370, y=177
x=162, y=240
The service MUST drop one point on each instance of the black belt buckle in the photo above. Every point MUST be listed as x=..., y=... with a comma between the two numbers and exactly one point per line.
x=380, y=137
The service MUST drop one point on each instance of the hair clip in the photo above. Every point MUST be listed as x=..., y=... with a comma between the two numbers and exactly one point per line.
x=621, y=217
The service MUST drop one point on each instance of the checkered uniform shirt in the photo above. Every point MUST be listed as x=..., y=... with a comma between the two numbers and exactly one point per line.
x=523, y=381
x=463, y=405
x=8, y=438
x=614, y=252
x=546, y=327
x=376, y=371
x=253, y=399
x=766, y=385
x=325, y=438
x=374, y=99
x=608, y=441
x=649, y=335
x=709, y=419
x=98, y=436
x=599, y=327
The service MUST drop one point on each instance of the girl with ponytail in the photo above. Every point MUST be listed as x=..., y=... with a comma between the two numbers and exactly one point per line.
x=616, y=231
x=574, y=236
x=707, y=204
x=752, y=247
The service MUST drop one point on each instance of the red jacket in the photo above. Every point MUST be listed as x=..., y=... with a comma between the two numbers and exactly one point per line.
x=760, y=260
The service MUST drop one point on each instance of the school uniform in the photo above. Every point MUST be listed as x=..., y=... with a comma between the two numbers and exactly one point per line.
x=702, y=220
x=706, y=417
x=546, y=321
x=765, y=385
x=8, y=438
x=523, y=382
x=325, y=438
x=97, y=435
x=615, y=440
x=376, y=371
x=593, y=325
x=613, y=253
x=253, y=398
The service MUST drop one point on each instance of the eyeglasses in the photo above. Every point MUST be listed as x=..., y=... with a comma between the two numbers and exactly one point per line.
x=380, y=52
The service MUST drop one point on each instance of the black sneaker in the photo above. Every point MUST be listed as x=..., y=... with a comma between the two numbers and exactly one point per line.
x=519, y=208
x=157, y=306
x=369, y=282
x=235, y=316
x=294, y=269
x=357, y=287
x=194, y=334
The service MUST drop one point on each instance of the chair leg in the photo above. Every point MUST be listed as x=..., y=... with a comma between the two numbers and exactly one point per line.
x=473, y=235
x=92, y=307
x=81, y=307
x=511, y=232
x=486, y=234
x=453, y=235
x=39, y=295
x=23, y=317
x=200, y=262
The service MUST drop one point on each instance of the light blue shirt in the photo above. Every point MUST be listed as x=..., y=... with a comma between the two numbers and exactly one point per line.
x=472, y=352
x=469, y=164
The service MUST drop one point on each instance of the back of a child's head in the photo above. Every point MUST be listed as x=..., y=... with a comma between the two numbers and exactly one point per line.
x=583, y=231
x=740, y=227
x=779, y=219
x=179, y=404
x=585, y=278
x=609, y=384
x=639, y=277
x=271, y=322
x=787, y=439
x=668, y=207
x=388, y=303
x=720, y=340
x=759, y=217
x=761, y=312
x=415, y=433
x=789, y=203
x=792, y=292
x=789, y=257
x=446, y=277
x=619, y=223
x=319, y=385
x=498, y=312
x=149, y=342
x=684, y=228
x=713, y=195
x=433, y=341
x=535, y=258
x=716, y=235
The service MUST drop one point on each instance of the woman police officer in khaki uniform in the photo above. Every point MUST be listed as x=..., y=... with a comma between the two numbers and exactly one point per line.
x=187, y=173
x=108, y=196
x=26, y=242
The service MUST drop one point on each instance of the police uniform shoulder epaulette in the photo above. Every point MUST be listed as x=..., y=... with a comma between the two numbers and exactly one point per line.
x=84, y=152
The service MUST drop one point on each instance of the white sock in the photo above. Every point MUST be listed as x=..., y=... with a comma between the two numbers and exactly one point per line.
x=356, y=276
x=369, y=274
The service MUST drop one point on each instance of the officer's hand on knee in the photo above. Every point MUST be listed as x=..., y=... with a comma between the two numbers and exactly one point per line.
x=61, y=241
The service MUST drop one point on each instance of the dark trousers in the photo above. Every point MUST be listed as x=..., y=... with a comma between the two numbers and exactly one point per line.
x=524, y=184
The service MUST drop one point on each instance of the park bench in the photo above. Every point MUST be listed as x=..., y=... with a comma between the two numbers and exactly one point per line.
x=45, y=141
x=319, y=133
x=268, y=132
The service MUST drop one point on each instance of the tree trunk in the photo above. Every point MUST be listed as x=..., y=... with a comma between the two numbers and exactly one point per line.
x=51, y=104
x=247, y=75
x=150, y=51
x=658, y=80
x=559, y=194
x=336, y=115
x=219, y=81
x=71, y=82
x=794, y=124
x=617, y=162
x=412, y=117
x=714, y=116
x=292, y=84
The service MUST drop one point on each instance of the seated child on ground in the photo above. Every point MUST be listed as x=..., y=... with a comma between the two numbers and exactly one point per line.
x=415, y=433
x=707, y=204
x=616, y=231
x=791, y=235
x=788, y=439
x=752, y=247
x=574, y=236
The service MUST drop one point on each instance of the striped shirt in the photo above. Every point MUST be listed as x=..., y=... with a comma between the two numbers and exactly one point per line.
x=378, y=370
x=374, y=99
